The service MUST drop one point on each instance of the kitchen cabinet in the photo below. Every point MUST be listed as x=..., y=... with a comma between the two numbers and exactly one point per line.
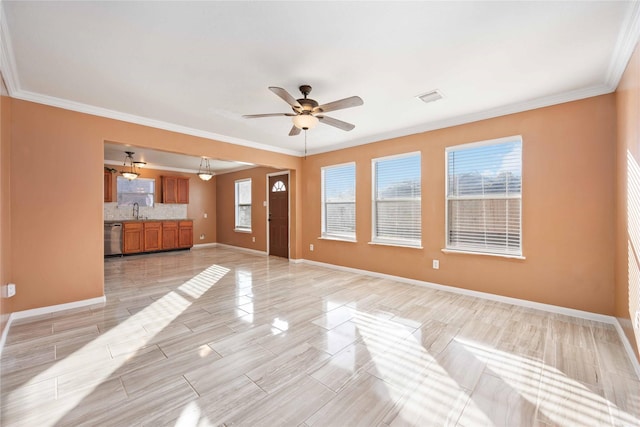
x=108, y=187
x=169, y=234
x=152, y=236
x=175, y=189
x=132, y=237
x=185, y=234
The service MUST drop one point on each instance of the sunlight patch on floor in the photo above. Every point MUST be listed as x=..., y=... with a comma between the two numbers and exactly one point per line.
x=161, y=312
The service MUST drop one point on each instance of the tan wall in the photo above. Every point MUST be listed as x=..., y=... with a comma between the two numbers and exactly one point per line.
x=56, y=195
x=202, y=199
x=628, y=200
x=225, y=214
x=5, y=207
x=568, y=209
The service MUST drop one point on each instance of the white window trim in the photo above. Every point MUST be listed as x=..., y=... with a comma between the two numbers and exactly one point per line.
x=238, y=228
x=447, y=249
x=323, y=234
x=386, y=241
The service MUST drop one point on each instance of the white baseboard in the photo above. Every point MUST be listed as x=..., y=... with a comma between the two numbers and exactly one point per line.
x=499, y=298
x=296, y=260
x=240, y=248
x=24, y=314
x=205, y=245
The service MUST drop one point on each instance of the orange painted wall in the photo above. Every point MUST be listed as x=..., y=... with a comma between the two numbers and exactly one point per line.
x=56, y=195
x=202, y=199
x=628, y=200
x=5, y=206
x=225, y=215
x=568, y=209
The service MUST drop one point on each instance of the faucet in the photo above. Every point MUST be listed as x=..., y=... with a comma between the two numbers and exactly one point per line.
x=136, y=210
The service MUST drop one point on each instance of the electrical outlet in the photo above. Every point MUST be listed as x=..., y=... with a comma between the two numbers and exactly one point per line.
x=205, y=214
x=11, y=290
x=253, y=239
x=436, y=264
x=311, y=247
x=202, y=236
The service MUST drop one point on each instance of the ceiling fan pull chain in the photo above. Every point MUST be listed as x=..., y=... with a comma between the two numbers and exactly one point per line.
x=305, y=144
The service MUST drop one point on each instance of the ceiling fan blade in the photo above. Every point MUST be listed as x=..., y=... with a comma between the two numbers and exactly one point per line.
x=286, y=96
x=336, y=123
x=255, y=116
x=352, y=101
x=294, y=131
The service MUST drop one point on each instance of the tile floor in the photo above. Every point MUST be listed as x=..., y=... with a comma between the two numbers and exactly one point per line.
x=220, y=337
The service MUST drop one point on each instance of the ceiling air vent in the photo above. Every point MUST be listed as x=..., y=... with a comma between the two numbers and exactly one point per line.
x=431, y=96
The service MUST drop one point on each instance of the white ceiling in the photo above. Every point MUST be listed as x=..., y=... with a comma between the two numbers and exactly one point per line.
x=197, y=67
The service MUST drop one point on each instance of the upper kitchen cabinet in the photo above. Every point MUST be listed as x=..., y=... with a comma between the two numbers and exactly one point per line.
x=108, y=186
x=175, y=189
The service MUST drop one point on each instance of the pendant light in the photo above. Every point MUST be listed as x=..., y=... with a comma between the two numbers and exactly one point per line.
x=205, y=173
x=130, y=171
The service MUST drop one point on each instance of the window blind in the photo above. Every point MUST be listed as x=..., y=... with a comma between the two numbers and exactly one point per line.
x=484, y=197
x=243, y=204
x=339, y=201
x=397, y=200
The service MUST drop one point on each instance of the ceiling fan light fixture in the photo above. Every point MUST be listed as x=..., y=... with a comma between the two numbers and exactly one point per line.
x=305, y=121
x=129, y=171
x=204, y=172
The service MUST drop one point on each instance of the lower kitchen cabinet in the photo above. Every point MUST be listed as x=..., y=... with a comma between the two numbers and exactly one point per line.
x=185, y=234
x=152, y=236
x=169, y=234
x=132, y=237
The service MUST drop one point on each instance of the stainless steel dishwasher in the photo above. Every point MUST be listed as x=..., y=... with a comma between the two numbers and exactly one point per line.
x=112, y=238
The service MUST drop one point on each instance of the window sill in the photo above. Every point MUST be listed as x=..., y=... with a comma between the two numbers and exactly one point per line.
x=457, y=251
x=242, y=230
x=338, y=239
x=397, y=245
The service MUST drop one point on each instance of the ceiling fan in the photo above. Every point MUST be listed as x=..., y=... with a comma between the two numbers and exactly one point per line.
x=307, y=113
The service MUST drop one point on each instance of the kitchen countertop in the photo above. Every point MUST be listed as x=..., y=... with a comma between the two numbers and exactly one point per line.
x=112, y=221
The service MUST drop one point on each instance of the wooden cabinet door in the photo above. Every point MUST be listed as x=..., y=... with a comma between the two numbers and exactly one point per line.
x=132, y=238
x=108, y=186
x=185, y=234
x=152, y=236
x=169, y=234
x=183, y=190
x=169, y=189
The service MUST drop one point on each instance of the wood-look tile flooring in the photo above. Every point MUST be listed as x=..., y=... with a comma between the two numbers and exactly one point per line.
x=221, y=337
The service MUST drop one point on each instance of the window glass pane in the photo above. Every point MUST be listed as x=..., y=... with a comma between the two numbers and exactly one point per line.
x=139, y=190
x=397, y=200
x=243, y=204
x=339, y=201
x=244, y=192
x=484, y=198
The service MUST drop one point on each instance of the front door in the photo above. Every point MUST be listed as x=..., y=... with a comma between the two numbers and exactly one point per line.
x=279, y=215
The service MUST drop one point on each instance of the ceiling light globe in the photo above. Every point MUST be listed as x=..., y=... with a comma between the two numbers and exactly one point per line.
x=305, y=121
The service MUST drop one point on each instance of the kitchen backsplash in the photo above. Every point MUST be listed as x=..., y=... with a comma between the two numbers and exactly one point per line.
x=158, y=211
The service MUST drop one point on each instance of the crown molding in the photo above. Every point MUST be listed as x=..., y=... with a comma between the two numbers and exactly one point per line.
x=626, y=43
x=504, y=110
x=131, y=118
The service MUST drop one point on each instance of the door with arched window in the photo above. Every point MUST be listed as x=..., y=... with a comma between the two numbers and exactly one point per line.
x=278, y=215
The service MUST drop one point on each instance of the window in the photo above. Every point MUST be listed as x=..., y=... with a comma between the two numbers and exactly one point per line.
x=139, y=190
x=243, y=205
x=484, y=197
x=278, y=187
x=397, y=200
x=339, y=201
